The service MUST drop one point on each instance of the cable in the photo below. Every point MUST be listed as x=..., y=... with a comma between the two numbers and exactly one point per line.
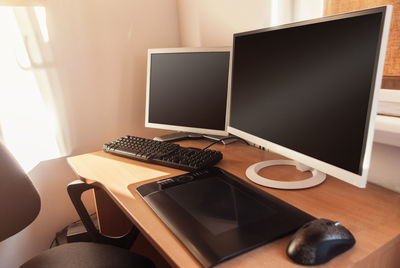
x=226, y=138
x=56, y=241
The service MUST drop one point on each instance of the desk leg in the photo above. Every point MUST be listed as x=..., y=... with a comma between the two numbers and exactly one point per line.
x=112, y=221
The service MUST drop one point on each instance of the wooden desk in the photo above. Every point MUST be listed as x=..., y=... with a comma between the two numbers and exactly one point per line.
x=371, y=214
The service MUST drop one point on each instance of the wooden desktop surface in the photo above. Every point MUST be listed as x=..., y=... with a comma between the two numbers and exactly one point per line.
x=371, y=214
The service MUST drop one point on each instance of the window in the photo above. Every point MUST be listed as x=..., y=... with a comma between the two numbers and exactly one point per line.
x=392, y=62
x=28, y=123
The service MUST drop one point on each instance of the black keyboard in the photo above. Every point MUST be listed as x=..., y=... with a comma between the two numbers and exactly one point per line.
x=163, y=153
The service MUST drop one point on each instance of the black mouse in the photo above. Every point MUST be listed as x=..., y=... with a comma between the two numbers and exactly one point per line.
x=318, y=241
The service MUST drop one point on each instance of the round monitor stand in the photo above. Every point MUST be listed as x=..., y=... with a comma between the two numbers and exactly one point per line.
x=252, y=173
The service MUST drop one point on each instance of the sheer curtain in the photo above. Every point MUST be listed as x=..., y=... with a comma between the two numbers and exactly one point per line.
x=29, y=119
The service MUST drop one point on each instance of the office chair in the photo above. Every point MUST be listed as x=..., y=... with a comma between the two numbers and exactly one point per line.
x=19, y=206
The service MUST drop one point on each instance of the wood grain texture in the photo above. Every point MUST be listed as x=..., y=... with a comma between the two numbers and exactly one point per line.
x=392, y=62
x=387, y=256
x=391, y=82
x=371, y=214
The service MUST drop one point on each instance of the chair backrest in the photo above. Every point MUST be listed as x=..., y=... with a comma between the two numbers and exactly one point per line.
x=19, y=200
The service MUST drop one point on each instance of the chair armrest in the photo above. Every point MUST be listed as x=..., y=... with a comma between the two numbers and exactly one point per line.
x=75, y=190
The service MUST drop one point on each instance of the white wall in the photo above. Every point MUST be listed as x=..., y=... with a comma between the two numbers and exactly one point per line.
x=213, y=23
x=100, y=49
x=98, y=76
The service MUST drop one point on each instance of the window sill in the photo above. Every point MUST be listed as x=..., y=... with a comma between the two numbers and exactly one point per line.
x=387, y=130
x=389, y=102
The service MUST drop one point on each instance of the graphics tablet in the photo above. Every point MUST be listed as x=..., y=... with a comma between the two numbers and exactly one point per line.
x=218, y=216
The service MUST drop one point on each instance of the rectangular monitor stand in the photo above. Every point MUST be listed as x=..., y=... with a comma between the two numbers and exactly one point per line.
x=177, y=136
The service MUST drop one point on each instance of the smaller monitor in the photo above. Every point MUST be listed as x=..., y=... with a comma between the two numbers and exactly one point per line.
x=187, y=90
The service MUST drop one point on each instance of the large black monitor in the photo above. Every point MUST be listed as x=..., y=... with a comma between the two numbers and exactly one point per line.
x=187, y=90
x=308, y=91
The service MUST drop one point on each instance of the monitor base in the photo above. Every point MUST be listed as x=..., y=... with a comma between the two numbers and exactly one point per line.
x=316, y=179
x=224, y=139
x=177, y=136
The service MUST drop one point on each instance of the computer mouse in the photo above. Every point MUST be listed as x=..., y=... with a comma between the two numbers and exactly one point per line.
x=319, y=241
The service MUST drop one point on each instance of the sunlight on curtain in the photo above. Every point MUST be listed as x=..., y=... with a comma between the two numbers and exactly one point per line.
x=27, y=124
x=40, y=13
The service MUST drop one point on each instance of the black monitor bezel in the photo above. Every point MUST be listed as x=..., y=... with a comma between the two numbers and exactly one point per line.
x=356, y=179
x=181, y=128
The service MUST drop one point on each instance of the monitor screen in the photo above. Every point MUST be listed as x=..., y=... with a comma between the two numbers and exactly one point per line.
x=308, y=90
x=187, y=89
